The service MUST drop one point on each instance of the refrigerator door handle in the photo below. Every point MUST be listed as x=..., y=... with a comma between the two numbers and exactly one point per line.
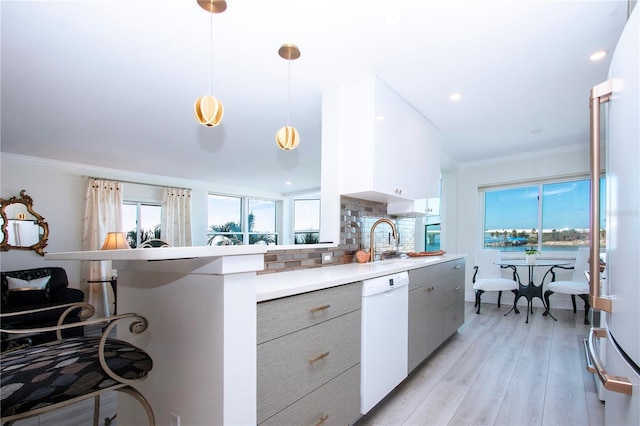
x=599, y=94
x=594, y=365
x=587, y=355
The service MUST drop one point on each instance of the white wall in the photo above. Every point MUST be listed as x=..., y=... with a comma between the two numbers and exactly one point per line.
x=461, y=204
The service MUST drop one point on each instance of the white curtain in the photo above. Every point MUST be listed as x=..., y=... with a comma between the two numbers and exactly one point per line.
x=102, y=214
x=176, y=216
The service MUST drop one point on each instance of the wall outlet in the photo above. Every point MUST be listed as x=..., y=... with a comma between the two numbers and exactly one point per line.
x=327, y=257
x=174, y=419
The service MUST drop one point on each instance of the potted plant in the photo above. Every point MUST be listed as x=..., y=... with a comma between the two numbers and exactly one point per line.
x=530, y=255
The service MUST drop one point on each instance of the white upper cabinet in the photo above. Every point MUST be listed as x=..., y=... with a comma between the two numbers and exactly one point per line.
x=387, y=151
x=414, y=208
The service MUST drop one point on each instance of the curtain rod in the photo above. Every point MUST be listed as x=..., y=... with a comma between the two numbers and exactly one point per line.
x=136, y=183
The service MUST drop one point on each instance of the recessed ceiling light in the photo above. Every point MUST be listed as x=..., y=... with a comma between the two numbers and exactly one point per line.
x=288, y=183
x=380, y=118
x=455, y=97
x=392, y=19
x=598, y=55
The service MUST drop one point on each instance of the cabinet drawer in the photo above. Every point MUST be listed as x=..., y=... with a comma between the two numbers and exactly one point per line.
x=453, y=292
x=453, y=318
x=418, y=277
x=283, y=316
x=338, y=401
x=286, y=371
x=447, y=272
x=448, y=277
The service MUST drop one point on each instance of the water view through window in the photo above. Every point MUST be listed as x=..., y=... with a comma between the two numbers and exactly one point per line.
x=551, y=216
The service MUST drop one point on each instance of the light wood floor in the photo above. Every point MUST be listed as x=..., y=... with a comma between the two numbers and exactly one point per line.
x=499, y=370
x=496, y=370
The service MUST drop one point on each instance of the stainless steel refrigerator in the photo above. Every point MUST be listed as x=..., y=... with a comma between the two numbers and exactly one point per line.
x=617, y=295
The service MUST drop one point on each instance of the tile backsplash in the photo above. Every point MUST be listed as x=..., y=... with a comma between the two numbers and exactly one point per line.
x=356, y=219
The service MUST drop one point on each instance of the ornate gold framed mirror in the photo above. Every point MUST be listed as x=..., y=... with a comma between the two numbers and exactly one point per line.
x=22, y=227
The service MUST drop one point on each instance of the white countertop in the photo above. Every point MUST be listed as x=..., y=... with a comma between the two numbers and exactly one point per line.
x=272, y=285
x=282, y=284
x=170, y=253
x=162, y=253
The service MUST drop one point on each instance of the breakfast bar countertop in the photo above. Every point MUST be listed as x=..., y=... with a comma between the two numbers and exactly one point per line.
x=282, y=284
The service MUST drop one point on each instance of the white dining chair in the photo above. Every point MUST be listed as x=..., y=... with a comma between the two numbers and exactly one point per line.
x=488, y=277
x=577, y=286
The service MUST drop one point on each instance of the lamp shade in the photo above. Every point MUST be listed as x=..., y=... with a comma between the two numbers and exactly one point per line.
x=287, y=138
x=115, y=241
x=208, y=111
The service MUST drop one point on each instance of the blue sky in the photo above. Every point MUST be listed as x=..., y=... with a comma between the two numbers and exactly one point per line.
x=565, y=205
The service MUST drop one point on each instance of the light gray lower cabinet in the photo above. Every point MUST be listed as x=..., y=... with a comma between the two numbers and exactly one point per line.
x=309, y=358
x=436, y=307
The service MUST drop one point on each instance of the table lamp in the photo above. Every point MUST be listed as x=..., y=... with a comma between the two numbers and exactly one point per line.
x=115, y=241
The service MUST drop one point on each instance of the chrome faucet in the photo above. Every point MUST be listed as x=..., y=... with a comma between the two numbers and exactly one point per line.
x=372, y=244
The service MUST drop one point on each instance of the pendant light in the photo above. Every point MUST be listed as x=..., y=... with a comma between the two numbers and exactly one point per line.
x=288, y=137
x=208, y=110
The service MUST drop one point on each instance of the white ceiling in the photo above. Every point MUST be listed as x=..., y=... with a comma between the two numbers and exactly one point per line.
x=112, y=83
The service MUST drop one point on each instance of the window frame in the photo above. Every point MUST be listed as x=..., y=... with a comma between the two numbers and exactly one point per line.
x=244, y=233
x=539, y=183
x=138, y=205
x=311, y=232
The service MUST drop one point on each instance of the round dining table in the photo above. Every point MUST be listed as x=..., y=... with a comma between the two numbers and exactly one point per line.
x=530, y=289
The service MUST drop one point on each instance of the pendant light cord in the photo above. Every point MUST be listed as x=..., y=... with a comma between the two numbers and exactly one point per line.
x=289, y=93
x=210, y=49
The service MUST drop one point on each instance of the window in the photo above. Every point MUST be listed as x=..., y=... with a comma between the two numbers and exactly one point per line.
x=306, y=221
x=432, y=234
x=262, y=221
x=141, y=221
x=548, y=216
x=241, y=220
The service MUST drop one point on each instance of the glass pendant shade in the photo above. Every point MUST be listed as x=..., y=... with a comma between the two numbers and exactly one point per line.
x=287, y=138
x=208, y=111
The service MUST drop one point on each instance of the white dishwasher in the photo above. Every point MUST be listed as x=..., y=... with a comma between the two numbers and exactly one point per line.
x=384, y=350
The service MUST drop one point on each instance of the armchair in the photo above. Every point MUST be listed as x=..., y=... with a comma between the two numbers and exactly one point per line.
x=53, y=375
x=32, y=289
x=488, y=277
x=576, y=286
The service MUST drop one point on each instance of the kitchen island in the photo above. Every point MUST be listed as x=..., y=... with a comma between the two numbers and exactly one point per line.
x=201, y=307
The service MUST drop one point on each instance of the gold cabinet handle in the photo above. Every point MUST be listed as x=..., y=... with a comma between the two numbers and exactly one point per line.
x=609, y=381
x=319, y=308
x=318, y=358
x=457, y=267
x=457, y=289
x=321, y=420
